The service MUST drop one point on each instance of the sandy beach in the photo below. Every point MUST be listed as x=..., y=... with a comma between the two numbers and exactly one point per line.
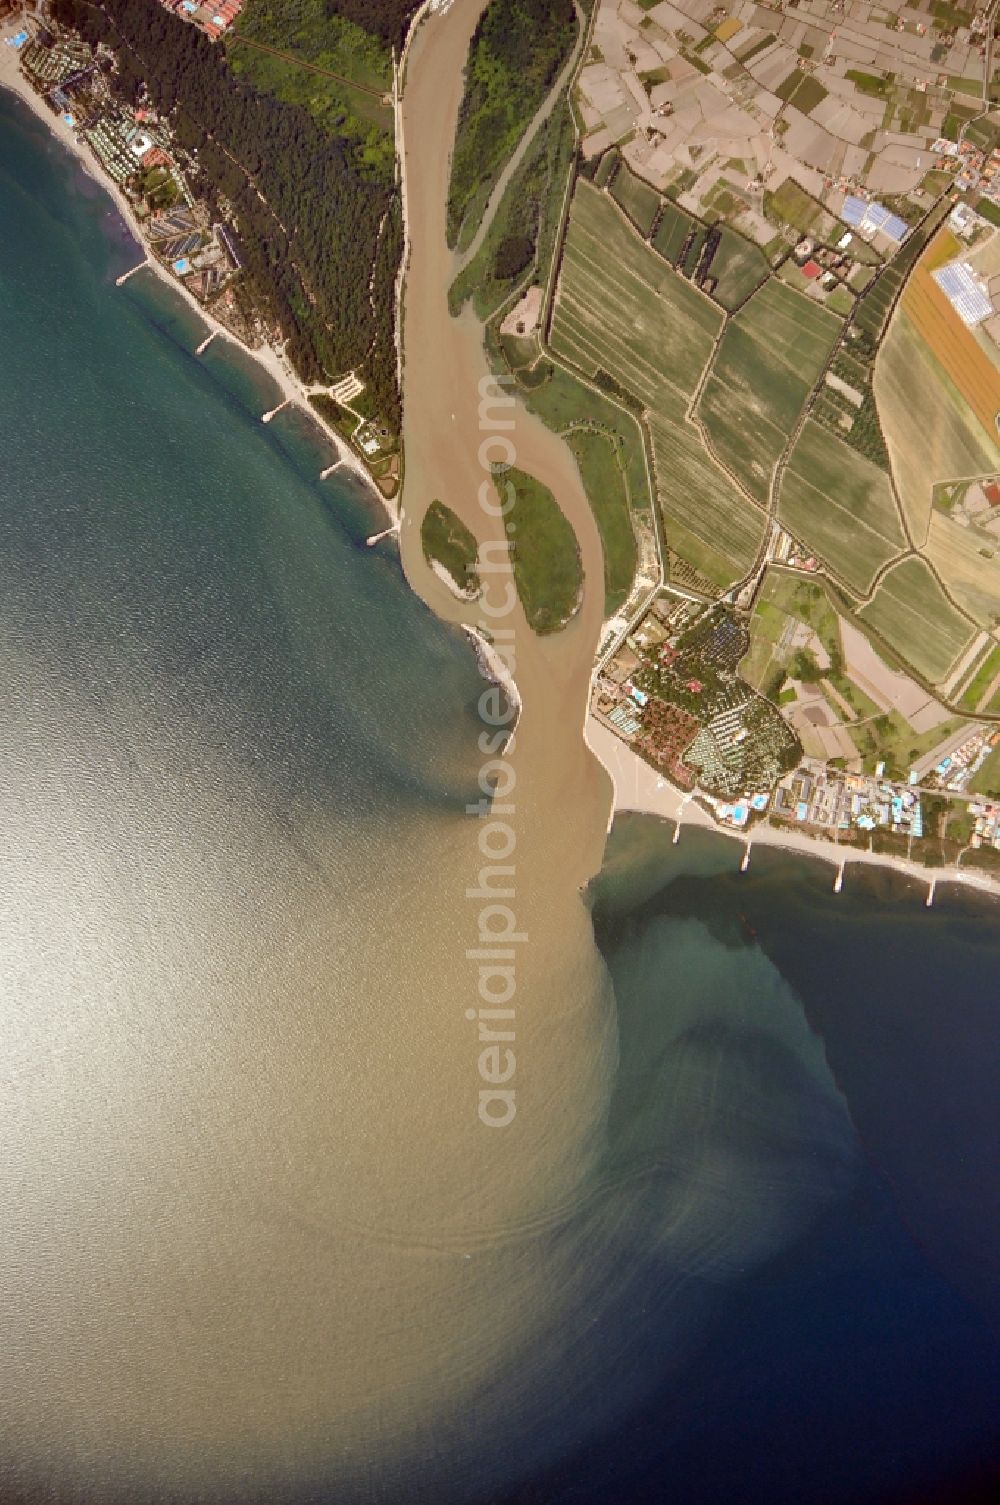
x=641, y=790
x=292, y=388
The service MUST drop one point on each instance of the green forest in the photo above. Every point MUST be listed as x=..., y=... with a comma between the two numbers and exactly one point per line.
x=515, y=56
x=340, y=72
x=388, y=19
x=320, y=229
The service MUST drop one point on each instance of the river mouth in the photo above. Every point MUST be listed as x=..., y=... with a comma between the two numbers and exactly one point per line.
x=257, y=1241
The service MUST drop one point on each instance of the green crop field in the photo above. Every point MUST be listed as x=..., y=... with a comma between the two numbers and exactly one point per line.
x=690, y=258
x=639, y=201
x=770, y=358
x=672, y=231
x=802, y=90
x=840, y=506
x=987, y=780
x=620, y=310
x=793, y=206
x=707, y=520
x=873, y=307
x=986, y=672
x=606, y=166
x=739, y=266
x=911, y=612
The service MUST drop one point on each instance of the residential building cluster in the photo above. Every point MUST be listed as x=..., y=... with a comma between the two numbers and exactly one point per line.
x=986, y=827
x=213, y=20
x=976, y=171
x=137, y=152
x=815, y=794
x=829, y=265
x=732, y=106
x=959, y=765
x=672, y=689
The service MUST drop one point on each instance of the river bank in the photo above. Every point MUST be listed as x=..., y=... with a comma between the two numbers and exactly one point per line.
x=292, y=388
x=639, y=789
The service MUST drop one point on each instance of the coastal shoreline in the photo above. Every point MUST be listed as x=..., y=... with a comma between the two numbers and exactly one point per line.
x=292, y=388
x=637, y=786
x=640, y=790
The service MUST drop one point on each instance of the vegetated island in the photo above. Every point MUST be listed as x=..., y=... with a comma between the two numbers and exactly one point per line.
x=548, y=573
x=450, y=547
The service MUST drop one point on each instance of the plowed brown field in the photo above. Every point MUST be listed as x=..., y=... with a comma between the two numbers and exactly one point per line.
x=969, y=367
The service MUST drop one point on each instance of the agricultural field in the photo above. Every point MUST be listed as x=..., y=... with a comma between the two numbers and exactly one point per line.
x=961, y=356
x=793, y=206
x=606, y=167
x=930, y=433
x=621, y=310
x=770, y=358
x=969, y=564
x=672, y=231
x=597, y=455
x=802, y=90
x=986, y=674
x=874, y=308
x=639, y=201
x=687, y=262
x=912, y=614
x=706, y=519
x=738, y=267
x=625, y=320
x=840, y=506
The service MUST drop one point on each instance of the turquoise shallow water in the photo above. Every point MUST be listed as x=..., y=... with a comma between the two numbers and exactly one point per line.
x=234, y=750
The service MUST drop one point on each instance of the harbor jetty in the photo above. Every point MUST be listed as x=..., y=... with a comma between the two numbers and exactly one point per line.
x=390, y=532
x=206, y=342
x=120, y=281
x=273, y=412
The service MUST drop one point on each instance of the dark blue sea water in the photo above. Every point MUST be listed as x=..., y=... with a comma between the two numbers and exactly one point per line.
x=234, y=749
x=863, y=1363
